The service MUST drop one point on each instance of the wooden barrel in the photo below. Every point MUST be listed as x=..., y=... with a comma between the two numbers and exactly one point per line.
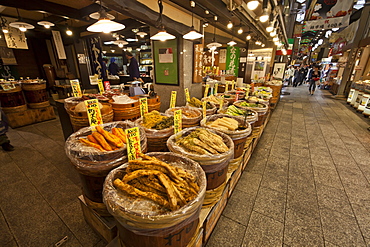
x=187, y=122
x=126, y=111
x=154, y=104
x=36, y=94
x=12, y=100
x=80, y=119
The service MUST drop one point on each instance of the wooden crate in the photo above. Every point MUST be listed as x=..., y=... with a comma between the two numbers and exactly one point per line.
x=30, y=116
x=234, y=179
x=214, y=215
x=104, y=226
x=247, y=154
x=197, y=240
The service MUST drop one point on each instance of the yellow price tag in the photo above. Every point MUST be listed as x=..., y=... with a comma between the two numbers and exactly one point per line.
x=101, y=86
x=173, y=99
x=232, y=85
x=206, y=91
x=204, y=103
x=216, y=89
x=222, y=102
x=133, y=143
x=177, y=121
x=76, y=89
x=227, y=87
x=187, y=94
x=93, y=112
x=143, y=106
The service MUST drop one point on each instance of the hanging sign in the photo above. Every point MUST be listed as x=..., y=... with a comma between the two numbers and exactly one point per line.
x=187, y=95
x=133, y=143
x=204, y=103
x=206, y=91
x=143, y=106
x=93, y=112
x=58, y=42
x=198, y=63
x=101, y=87
x=76, y=89
x=177, y=121
x=232, y=60
x=216, y=89
x=173, y=99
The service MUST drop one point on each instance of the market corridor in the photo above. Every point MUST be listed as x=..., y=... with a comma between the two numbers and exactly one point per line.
x=307, y=183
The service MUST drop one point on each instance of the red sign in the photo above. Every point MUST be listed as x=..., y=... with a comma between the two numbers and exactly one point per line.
x=107, y=85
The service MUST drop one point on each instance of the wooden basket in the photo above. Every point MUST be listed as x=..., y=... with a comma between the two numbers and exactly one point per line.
x=36, y=94
x=126, y=111
x=13, y=100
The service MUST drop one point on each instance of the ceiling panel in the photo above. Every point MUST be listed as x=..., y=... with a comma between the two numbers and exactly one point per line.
x=76, y=4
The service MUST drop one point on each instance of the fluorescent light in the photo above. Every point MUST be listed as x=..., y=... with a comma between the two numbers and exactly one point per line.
x=252, y=5
x=192, y=35
x=132, y=39
x=162, y=36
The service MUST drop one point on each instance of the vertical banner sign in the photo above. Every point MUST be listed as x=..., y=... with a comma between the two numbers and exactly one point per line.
x=222, y=102
x=76, y=89
x=204, y=103
x=198, y=63
x=93, y=112
x=177, y=121
x=173, y=99
x=206, y=91
x=232, y=60
x=133, y=143
x=96, y=57
x=216, y=89
x=107, y=85
x=143, y=106
x=227, y=87
x=58, y=42
x=187, y=95
x=101, y=87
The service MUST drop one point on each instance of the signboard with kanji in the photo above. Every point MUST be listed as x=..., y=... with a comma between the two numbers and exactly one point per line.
x=133, y=143
x=177, y=121
x=93, y=112
x=232, y=60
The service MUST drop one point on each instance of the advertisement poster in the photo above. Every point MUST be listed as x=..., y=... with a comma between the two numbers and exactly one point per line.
x=7, y=56
x=278, y=72
x=258, y=71
x=165, y=55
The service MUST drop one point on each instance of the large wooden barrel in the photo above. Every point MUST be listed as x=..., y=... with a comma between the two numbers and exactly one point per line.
x=129, y=111
x=154, y=104
x=12, y=100
x=36, y=94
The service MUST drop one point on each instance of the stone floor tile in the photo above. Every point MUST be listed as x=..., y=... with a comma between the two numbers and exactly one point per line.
x=275, y=180
x=271, y=203
x=263, y=231
x=249, y=183
x=327, y=176
x=12, y=243
x=221, y=235
x=304, y=201
x=6, y=235
x=341, y=229
x=328, y=244
x=362, y=212
x=239, y=207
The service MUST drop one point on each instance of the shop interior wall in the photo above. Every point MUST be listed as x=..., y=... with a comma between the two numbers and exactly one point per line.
x=84, y=69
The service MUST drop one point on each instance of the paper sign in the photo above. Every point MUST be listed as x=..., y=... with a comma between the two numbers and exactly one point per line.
x=227, y=87
x=222, y=102
x=107, y=85
x=216, y=88
x=7, y=86
x=206, y=91
x=101, y=87
x=93, y=112
x=143, y=106
x=76, y=89
x=187, y=95
x=177, y=122
x=133, y=143
x=232, y=85
x=173, y=99
x=204, y=103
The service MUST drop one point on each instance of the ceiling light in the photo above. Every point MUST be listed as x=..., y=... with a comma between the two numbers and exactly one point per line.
x=206, y=12
x=22, y=26
x=162, y=36
x=112, y=51
x=252, y=5
x=193, y=34
x=214, y=45
x=275, y=39
x=231, y=43
x=240, y=31
x=96, y=16
x=46, y=24
x=138, y=49
x=320, y=41
x=273, y=33
x=69, y=32
x=142, y=34
x=265, y=16
x=335, y=29
x=4, y=27
x=135, y=30
x=5, y=30
x=108, y=42
x=248, y=37
x=229, y=25
x=215, y=18
x=270, y=27
x=104, y=52
x=205, y=24
x=104, y=24
x=131, y=39
x=284, y=51
x=277, y=43
x=263, y=45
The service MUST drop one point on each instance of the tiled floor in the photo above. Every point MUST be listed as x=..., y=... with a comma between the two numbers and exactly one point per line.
x=306, y=184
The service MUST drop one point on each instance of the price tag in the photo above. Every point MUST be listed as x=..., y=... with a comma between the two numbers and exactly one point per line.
x=204, y=103
x=177, y=121
x=7, y=86
x=187, y=94
x=143, y=106
x=173, y=99
x=76, y=89
x=101, y=87
x=227, y=87
x=93, y=112
x=206, y=91
x=232, y=85
x=133, y=143
x=107, y=85
x=216, y=89
x=222, y=102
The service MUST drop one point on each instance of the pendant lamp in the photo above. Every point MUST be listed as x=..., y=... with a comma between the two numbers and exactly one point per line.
x=192, y=34
x=21, y=24
x=214, y=45
x=46, y=24
x=162, y=35
x=105, y=24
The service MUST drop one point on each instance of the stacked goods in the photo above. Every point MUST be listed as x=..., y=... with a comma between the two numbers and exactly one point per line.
x=210, y=148
x=230, y=98
x=250, y=116
x=190, y=116
x=235, y=127
x=211, y=108
x=11, y=98
x=35, y=93
x=125, y=108
x=158, y=127
x=154, y=104
x=154, y=198
x=215, y=100
x=260, y=108
x=263, y=92
x=95, y=153
x=254, y=99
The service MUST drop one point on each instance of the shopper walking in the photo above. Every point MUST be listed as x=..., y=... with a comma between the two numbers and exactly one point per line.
x=313, y=78
x=296, y=77
x=303, y=73
x=289, y=74
x=133, y=68
x=4, y=141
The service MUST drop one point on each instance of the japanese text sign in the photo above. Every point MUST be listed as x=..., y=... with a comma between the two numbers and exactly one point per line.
x=76, y=89
x=143, y=106
x=93, y=112
x=101, y=87
x=216, y=88
x=177, y=122
x=187, y=95
x=173, y=99
x=206, y=91
x=204, y=103
x=133, y=143
x=232, y=60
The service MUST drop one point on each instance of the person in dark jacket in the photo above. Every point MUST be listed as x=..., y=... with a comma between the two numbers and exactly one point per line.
x=113, y=67
x=314, y=76
x=4, y=141
x=133, y=68
x=296, y=77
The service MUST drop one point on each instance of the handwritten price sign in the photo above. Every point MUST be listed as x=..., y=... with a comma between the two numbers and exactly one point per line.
x=101, y=87
x=143, y=106
x=204, y=103
x=76, y=89
x=177, y=121
x=187, y=94
x=173, y=99
x=222, y=102
x=206, y=91
x=227, y=87
x=216, y=88
x=93, y=112
x=133, y=143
